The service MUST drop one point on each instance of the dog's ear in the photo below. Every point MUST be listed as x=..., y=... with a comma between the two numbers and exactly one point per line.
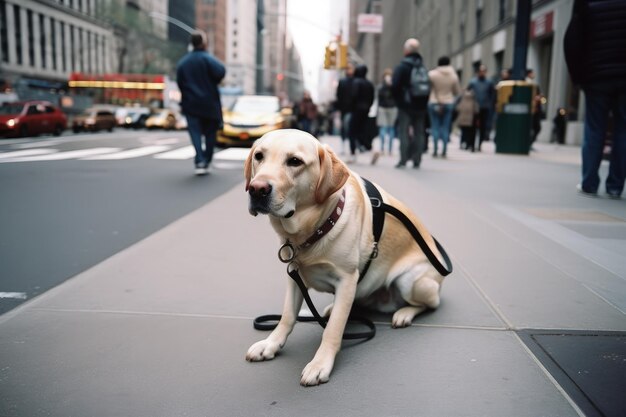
x=333, y=174
x=247, y=168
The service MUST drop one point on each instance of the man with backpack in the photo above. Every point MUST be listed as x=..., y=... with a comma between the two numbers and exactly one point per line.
x=411, y=88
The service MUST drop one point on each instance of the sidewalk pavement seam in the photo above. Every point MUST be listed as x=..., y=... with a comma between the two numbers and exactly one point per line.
x=494, y=308
x=549, y=376
x=227, y=317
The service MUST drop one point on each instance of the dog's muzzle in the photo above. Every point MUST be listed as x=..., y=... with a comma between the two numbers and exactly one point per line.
x=260, y=195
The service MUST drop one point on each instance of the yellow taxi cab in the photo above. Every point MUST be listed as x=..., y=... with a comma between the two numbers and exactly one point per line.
x=249, y=118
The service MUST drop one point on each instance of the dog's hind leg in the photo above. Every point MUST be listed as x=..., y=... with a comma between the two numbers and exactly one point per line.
x=423, y=294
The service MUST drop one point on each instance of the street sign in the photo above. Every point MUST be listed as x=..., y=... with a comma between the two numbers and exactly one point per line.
x=369, y=23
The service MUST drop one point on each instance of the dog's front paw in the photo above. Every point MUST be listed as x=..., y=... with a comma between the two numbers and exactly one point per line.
x=404, y=316
x=263, y=350
x=316, y=372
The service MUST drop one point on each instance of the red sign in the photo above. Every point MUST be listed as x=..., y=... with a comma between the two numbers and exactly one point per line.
x=542, y=25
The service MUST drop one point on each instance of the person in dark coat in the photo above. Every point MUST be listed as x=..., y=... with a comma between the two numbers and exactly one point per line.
x=198, y=75
x=595, y=45
x=362, y=99
x=344, y=103
x=411, y=110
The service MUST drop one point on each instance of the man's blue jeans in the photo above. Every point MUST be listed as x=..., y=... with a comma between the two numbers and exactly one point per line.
x=599, y=100
x=199, y=127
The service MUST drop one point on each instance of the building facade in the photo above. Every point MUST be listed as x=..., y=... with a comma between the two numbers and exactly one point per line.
x=211, y=18
x=46, y=40
x=241, y=43
x=475, y=32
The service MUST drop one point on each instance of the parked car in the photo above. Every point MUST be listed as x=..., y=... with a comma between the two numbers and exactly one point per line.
x=94, y=120
x=249, y=118
x=136, y=117
x=31, y=118
x=163, y=119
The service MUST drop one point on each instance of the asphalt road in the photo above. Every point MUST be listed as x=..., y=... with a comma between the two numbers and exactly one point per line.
x=60, y=214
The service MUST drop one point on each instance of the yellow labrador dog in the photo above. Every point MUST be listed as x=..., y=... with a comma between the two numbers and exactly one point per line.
x=300, y=183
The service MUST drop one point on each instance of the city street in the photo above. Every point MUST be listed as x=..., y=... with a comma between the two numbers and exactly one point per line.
x=70, y=202
x=532, y=320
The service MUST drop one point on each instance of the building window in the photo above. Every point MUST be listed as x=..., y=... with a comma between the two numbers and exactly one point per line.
x=72, y=48
x=31, y=38
x=4, y=45
x=479, y=21
x=62, y=46
x=53, y=43
x=42, y=41
x=502, y=11
x=18, y=34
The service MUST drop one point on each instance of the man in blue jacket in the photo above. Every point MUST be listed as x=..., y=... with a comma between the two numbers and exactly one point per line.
x=198, y=76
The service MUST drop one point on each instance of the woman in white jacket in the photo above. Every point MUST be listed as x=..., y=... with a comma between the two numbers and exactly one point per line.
x=444, y=89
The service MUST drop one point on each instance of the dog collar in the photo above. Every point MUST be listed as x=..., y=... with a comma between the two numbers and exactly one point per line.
x=287, y=251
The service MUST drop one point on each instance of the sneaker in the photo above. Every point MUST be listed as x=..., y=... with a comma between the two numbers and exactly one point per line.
x=400, y=165
x=580, y=189
x=202, y=169
x=614, y=195
x=375, y=157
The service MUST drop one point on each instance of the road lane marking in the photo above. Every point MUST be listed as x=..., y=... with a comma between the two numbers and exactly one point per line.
x=129, y=153
x=186, y=152
x=26, y=152
x=14, y=295
x=64, y=155
x=233, y=154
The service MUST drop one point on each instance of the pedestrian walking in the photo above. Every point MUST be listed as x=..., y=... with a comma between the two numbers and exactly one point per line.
x=468, y=111
x=485, y=93
x=198, y=75
x=344, y=104
x=362, y=99
x=307, y=113
x=411, y=88
x=387, y=112
x=444, y=90
x=594, y=46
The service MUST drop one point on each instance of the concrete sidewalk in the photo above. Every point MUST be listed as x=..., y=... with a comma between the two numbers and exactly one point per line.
x=161, y=329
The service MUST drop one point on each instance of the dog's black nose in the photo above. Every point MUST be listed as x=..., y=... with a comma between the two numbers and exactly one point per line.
x=259, y=189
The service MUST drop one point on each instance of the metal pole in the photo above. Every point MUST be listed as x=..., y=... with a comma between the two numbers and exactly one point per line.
x=522, y=33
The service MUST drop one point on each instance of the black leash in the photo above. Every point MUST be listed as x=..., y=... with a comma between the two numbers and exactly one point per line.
x=379, y=209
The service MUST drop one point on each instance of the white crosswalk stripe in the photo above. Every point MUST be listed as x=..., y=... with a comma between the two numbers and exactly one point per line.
x=130, y=153
x=25, y=153
x=227, y=158
x=57, y=156
x=186, y=152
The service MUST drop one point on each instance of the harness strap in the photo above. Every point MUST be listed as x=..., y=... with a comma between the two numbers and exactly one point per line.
x=261, y=322
x=379, y=210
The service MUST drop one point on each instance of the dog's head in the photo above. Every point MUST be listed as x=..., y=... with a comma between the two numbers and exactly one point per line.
x=289, y=169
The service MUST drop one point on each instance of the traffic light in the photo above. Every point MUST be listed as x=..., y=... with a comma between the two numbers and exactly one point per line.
x=343, y=55
x=330, y=57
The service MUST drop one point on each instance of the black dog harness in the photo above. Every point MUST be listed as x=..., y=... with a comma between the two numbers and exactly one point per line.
x=287, y=254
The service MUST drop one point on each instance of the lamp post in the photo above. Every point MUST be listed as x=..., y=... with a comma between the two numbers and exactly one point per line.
x=175, y=22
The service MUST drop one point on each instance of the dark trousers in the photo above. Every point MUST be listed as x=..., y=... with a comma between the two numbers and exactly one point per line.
x=198, y=128
x=484, y=126
x=468, y=137
x=598, y=103
x=358, y=125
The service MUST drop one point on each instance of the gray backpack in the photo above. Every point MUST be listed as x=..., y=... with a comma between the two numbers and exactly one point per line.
x=419, y=82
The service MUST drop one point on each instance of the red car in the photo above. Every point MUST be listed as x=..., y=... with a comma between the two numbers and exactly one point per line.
x=31, y=118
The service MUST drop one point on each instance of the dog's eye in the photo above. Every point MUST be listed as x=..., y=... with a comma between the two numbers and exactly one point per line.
x=258, y=156
x=294, y=162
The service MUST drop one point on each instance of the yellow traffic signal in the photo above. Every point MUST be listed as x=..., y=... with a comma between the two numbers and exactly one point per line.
x=330, y=57
x=327, y=57
x=343, y=55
